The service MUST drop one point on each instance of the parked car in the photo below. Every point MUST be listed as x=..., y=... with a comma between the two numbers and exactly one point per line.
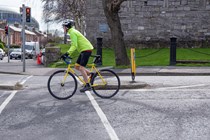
x=10, y=50
x=2, y=53
x=1, y=56
x=16, y=53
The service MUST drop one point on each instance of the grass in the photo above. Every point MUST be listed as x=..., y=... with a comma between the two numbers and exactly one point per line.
x=147, y=57
x=152, y=57
x=161, y=57
x=194, y=54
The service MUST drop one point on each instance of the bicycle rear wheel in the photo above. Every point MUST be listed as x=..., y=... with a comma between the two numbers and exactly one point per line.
x=62, y=88
x=105, y=85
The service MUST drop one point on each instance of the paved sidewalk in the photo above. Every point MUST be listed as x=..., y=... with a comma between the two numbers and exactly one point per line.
x=167, y=71
x=14, y=70
x=31, y=68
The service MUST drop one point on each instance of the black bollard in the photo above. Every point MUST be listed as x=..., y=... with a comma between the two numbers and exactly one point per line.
x=99, y=49
x=173, y=51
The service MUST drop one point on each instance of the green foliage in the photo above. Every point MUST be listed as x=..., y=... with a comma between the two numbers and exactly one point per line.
x=2, y=46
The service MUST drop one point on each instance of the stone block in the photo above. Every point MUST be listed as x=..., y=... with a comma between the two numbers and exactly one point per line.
x=52, y=54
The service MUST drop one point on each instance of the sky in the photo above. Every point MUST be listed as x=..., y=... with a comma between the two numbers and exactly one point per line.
x=36, y=11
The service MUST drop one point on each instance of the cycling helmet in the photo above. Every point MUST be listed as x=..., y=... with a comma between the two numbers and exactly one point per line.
x=68, y=23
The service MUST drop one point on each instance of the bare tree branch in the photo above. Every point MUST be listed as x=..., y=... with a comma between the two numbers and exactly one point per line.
x=59, y=10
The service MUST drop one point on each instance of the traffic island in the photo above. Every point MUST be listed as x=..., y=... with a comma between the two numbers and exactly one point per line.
x=133, y=85
x=124, y=85
x=16, y=86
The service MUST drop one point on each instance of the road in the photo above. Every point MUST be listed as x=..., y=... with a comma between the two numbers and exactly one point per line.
x=173, y=107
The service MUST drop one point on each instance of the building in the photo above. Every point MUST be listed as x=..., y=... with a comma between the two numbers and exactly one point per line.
x=13, y=19
x=1, y=34
x=15, y=34
x=151, y=23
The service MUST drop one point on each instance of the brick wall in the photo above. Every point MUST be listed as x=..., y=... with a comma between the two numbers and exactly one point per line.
x=1, y=34
x=150, y=21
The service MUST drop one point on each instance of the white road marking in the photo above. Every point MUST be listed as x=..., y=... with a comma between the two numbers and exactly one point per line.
x=4, y=104
x=167, y=88
x=104, y=120
x=107, y=125
x=9, y=98
x=177, y=87
x=25, y=79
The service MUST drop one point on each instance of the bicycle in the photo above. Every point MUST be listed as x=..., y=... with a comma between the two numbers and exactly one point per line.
x=62, y=84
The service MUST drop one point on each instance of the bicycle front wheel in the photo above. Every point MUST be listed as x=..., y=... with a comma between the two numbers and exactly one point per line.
x=62, y=85
x=106, y=83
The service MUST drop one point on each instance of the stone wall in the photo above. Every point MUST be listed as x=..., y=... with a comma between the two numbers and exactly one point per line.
x=52, y=54
x=151, y=23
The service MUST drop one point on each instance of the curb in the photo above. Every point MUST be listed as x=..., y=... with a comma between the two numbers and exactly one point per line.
x=140, y=74
x=165, y=74
x=124, y=85
x=133, y=85
x=16, y=86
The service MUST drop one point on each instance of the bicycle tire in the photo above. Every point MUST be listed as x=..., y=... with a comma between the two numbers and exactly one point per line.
x=111, y=88
x=62, y=91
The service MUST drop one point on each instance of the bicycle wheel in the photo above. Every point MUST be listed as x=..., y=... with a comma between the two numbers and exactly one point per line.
x=59, y=88
x=105, y=85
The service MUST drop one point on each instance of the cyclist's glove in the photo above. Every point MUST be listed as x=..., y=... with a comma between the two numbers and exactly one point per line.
x=64, y=56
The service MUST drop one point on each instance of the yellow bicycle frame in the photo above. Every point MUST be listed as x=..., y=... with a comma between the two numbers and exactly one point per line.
x=92, y=69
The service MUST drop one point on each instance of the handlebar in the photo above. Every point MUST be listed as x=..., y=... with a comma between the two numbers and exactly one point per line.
x=66, y=59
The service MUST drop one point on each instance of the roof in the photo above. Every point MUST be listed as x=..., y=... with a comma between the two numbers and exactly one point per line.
x=19, y=30
x=8, y=10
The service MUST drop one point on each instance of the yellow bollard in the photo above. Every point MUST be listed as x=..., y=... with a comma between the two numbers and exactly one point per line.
x=133, y=64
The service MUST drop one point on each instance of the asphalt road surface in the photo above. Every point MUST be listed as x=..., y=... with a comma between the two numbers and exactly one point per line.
x=171, y=108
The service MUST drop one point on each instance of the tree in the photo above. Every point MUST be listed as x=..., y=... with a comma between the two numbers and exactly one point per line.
x=2, y=45
x=60, y=10
x=111, y=10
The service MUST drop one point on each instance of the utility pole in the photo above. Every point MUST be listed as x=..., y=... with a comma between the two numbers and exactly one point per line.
x=26, y=17
x=23, y=36
x=7, y=33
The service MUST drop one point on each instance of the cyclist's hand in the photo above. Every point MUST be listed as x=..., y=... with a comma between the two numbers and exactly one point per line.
x=64, y=56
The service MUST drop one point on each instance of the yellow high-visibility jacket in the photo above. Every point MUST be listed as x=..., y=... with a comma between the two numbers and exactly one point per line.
x=78, y=42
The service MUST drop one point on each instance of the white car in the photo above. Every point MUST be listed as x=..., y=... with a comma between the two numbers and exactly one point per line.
x=2, y=54
x=16, y=53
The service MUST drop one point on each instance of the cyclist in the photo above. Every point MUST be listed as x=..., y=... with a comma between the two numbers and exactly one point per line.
x=83, y=46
